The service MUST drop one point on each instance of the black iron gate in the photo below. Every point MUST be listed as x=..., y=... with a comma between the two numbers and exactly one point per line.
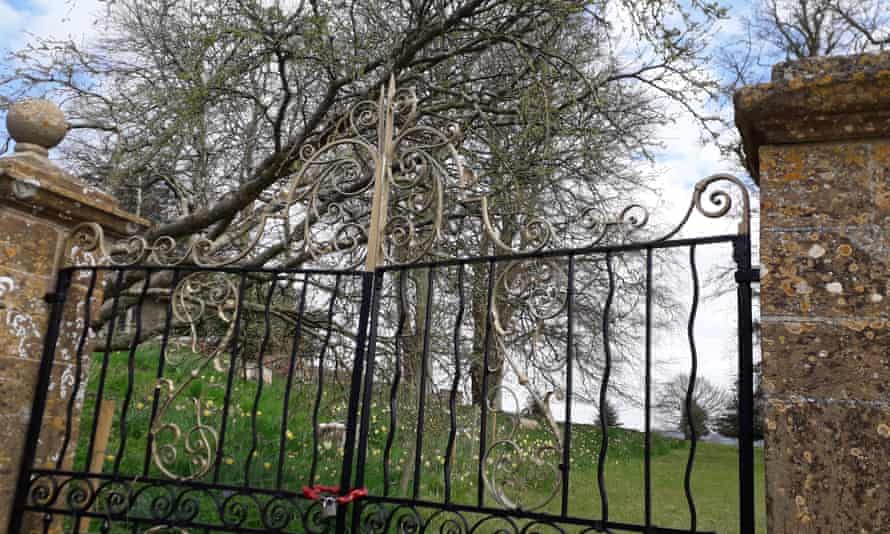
x=409, y=398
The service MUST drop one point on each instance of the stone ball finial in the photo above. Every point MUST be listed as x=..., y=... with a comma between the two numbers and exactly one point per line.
x=36, y=125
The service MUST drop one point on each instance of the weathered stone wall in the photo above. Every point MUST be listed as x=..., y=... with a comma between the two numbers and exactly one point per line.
x=39, y=205
x=819, y=137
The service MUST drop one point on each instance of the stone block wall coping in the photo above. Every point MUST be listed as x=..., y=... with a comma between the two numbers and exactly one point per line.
x=815, y=100
x=32, y=184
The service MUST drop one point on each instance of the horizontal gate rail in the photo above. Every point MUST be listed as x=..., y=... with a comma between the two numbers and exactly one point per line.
x=564, y=253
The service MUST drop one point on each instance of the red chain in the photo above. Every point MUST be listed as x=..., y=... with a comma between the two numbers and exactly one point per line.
x=314, y=493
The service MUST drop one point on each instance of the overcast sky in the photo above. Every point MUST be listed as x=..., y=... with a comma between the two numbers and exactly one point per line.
x=683, y=161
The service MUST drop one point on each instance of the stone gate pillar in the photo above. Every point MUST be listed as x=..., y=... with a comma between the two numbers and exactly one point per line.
x=39, y=204
x=818, y=137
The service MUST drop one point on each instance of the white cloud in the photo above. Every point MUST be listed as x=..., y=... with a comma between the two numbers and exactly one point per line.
x=10, y=19
x=48, y=18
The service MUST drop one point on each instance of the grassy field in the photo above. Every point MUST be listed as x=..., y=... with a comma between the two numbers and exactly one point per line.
x=255, y=462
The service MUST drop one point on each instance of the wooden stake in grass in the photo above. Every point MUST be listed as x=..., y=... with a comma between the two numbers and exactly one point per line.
x=103, y=433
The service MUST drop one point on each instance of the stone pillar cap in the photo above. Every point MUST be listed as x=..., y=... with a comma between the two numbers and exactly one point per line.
x=36, y=125
x=819, y=99
x=30, y=182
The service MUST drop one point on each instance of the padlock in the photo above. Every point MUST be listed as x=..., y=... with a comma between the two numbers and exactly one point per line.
x=329, y=506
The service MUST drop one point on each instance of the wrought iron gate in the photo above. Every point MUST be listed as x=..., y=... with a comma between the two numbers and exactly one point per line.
x=414, y=395
x=363, y=423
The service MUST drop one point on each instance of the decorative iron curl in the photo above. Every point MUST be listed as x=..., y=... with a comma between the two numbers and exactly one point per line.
x=314, y=520
x=721, y=202
x=481, y=525
x=502, y=460
x=158, y=499
x=327, y=226
x=536, y=233
x=43, y=490
x=188, y=506
x=540, y=527
x=406, y=520
x=449, y=522
x=277, y=513
x=197, y=297
x=87, y=244
x=113, y=497
x=199, y=443
x=631, y=219
x=235, y=509
x=373, y=519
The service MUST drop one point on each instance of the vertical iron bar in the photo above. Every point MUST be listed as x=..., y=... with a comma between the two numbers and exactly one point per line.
x=78, y=369
x=742, y=256
x=483, y=431
x=424, y=363
x=690, y=392
x=449, y=449
x=267, y=331
x=396, y=379
x=604, y=387
x=367, y=395
x=100, y=389
x=298, y=334
x=319, y=392
x=647, y=435
x=131, y=373
x=570, y=357
x=227, y=398
x=162, y=359
x=367, y=296
x=60, y=293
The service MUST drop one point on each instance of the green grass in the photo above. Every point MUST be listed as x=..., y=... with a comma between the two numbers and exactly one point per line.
x=714, y=477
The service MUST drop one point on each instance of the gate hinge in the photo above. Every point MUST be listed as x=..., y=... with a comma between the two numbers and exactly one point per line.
x=749, y=275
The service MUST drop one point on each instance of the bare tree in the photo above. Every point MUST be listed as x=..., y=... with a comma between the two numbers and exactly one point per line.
x=203, y=111
x=706, y=400
x=777, y=30
x=772, y=31
x=207, y=106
